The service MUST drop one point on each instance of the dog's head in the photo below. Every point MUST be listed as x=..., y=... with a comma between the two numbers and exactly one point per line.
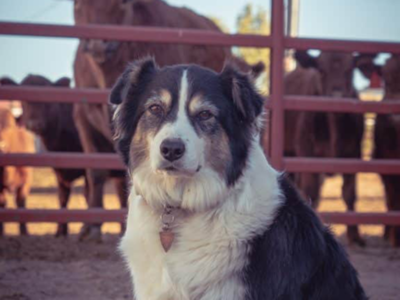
x=184, y=131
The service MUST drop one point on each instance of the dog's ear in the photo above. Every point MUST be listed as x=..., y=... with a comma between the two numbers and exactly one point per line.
x=63, y=82
x=133, y=80
x=7, y=81
x=125, y=97
x=257, y=69
x=238, y=87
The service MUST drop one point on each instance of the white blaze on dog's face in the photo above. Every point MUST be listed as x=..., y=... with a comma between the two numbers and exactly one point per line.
x=177, y=149
x=184, y=131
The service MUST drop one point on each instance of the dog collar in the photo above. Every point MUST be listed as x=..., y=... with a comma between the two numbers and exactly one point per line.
x=167, y=219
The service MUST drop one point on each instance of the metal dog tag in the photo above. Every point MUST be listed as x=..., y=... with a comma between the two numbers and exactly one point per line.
x=166, y=235
x=166, y=238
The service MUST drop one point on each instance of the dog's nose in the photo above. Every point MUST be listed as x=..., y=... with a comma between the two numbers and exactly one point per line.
x=172, y=149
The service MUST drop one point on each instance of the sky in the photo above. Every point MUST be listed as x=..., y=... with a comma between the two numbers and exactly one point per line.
x=53, y=57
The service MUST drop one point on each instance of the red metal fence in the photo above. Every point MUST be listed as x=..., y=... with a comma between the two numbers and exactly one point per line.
x=277, y=104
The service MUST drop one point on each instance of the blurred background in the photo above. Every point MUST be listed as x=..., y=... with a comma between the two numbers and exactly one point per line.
x=64, y=268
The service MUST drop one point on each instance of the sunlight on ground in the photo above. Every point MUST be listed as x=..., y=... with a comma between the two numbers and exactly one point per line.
x=44, y=178
x=369, y=189
x=370, y=195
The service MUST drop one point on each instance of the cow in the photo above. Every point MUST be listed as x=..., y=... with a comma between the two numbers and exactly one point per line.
x=54, y=124
x=311, y=134
x=98, y=63
x=17, y=180
x=387, y=141
x=307, y=134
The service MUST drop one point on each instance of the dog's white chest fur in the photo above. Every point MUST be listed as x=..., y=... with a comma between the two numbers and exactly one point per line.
x=210, y=249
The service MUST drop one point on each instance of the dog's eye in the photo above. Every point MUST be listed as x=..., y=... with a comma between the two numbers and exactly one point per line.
x=156, y=110
x=204, y=115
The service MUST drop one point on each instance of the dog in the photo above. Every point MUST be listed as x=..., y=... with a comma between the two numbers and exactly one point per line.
x=209, y=218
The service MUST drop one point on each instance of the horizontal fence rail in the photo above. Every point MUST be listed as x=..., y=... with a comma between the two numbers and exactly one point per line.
x=331, y=104
x=341, y=165
x=60, y=95
x=189, y=36
x=136, y=34
x=92, y=215
x=112, y=161
x=341, y=45
x=54, y=95
x=64, y=160
x=353, y=218
x=96, y=215
x=299, y=103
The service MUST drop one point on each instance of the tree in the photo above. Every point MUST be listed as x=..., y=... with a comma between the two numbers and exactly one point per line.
x=254, y=21
x=221, y=25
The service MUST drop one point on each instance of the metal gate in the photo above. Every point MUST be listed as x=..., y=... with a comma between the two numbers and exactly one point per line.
x=277, y=104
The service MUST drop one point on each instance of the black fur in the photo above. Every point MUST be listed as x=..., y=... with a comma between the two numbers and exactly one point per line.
x=237, y=87
x=237, y=112
x=127, y=92
x=305, y=60
x=298, y=258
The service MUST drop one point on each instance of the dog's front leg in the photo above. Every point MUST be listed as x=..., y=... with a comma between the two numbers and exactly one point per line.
x=144, y=254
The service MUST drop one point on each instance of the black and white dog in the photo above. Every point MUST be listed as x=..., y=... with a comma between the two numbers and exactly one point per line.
x=208, y=216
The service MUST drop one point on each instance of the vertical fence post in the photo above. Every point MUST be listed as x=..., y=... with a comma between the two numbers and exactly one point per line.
x=289, y=18
x=277, y=55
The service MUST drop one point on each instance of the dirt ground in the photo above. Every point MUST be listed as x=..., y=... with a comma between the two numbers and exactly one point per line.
x=43, y=267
